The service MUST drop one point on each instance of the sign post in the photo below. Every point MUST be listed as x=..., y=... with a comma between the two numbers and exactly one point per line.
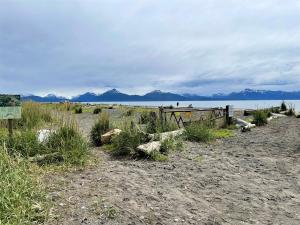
x=10, y=108
x=229, y=114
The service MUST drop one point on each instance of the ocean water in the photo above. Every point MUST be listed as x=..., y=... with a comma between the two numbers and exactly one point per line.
x=245, y=104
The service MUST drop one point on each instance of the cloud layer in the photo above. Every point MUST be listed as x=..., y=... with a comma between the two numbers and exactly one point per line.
x=195, y=46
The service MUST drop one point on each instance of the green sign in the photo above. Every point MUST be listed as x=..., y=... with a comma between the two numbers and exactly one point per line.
x=10, y=107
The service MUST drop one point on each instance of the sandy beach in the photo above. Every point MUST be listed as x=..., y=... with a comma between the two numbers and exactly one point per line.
x=251, y=178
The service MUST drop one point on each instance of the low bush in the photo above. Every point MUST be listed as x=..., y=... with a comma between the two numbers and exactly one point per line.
x=22, y=199
x=97, y=110
x=145, y=117
x=260, y=117
x=128, y=140
x=26, y=144
x=69, y=144
x=198, y=132
x=129, y=112
x=99, y=128
x=78, y=109
x=283, y=106
x=170, y=144
x=291, y=111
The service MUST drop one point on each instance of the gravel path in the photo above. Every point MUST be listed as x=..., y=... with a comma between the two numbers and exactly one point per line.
x=251, y=178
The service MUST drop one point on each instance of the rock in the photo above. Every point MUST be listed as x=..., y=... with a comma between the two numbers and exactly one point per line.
x=106, y=138
x=149, y=147
x=44, y=134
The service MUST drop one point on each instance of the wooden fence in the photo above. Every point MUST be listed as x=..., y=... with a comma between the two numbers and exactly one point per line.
x=186, y=115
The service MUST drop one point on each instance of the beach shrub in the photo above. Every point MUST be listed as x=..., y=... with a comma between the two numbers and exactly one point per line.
x=129, y=112
x=34, y=115
x=128, y=140
x=199, y=132
x=157, y=156
x=69, y=144
x=170, y=144
x=283, y=106
x=99, y=128
x=97, y=110
x=22, y=199
x=260, y=117
x=291, y=111
x=26, y=144
x=78, y=109
x=145, y=117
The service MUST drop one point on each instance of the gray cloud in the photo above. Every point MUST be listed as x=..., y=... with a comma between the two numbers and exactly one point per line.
x=192, y=46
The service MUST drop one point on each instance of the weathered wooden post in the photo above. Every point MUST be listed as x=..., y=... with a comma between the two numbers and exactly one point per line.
x=10, y=108
x=229, y=114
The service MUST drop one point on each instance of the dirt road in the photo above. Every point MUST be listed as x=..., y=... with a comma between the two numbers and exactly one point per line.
x=251, y=178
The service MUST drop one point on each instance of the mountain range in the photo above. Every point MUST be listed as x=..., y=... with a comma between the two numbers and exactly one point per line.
x=116, y=96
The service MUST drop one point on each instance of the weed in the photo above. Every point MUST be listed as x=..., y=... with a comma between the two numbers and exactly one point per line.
x=69, y=144
x=97, y=110
x=199, y=132
x=283, y=106
x=223, y=133
x=26, y=144
x=128, y=140
x=157, y=156
x=170, y=144
x=22, y=199
x=99, y=128
x=260, y=117
x=78, y=109
x=34, y=115
x=291, y=111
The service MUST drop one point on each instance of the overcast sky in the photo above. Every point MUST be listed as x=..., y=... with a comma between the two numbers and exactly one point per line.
x=185, y=46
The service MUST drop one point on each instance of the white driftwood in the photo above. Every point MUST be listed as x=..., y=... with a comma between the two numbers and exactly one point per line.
x=150, y=147
x=278, y=115
x=166, y=135
x=106, y=138
x=244, y=123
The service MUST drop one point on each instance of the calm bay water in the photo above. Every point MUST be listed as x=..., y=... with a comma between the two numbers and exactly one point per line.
x=245, y=104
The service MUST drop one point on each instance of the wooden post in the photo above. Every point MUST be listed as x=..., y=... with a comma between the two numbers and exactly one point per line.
x=10, y=128
x=228, y=115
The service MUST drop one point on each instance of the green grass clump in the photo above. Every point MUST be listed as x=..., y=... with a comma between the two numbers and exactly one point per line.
x=97, y=110
x=198, y=132
x=129, y=112
x=34, y=115
x=223, y=133
x=99, y=128
x=78, y=109
x=283, y=106
x=145, y=117
x=22, y=199
x=260, y=117
x=170, y=144
x=129, y=139
x=26, y=144
x=157, y=156
x=291, y=111
x=69, y=144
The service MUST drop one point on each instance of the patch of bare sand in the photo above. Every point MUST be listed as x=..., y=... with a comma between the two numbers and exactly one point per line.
x=252, y=178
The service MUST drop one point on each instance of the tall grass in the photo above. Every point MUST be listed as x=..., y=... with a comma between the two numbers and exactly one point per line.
x=128, y=140
x=69, y=144
x=283, y=106
x=22, y=200
x=260, y=117
x=34, y=115
x=99, y=128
